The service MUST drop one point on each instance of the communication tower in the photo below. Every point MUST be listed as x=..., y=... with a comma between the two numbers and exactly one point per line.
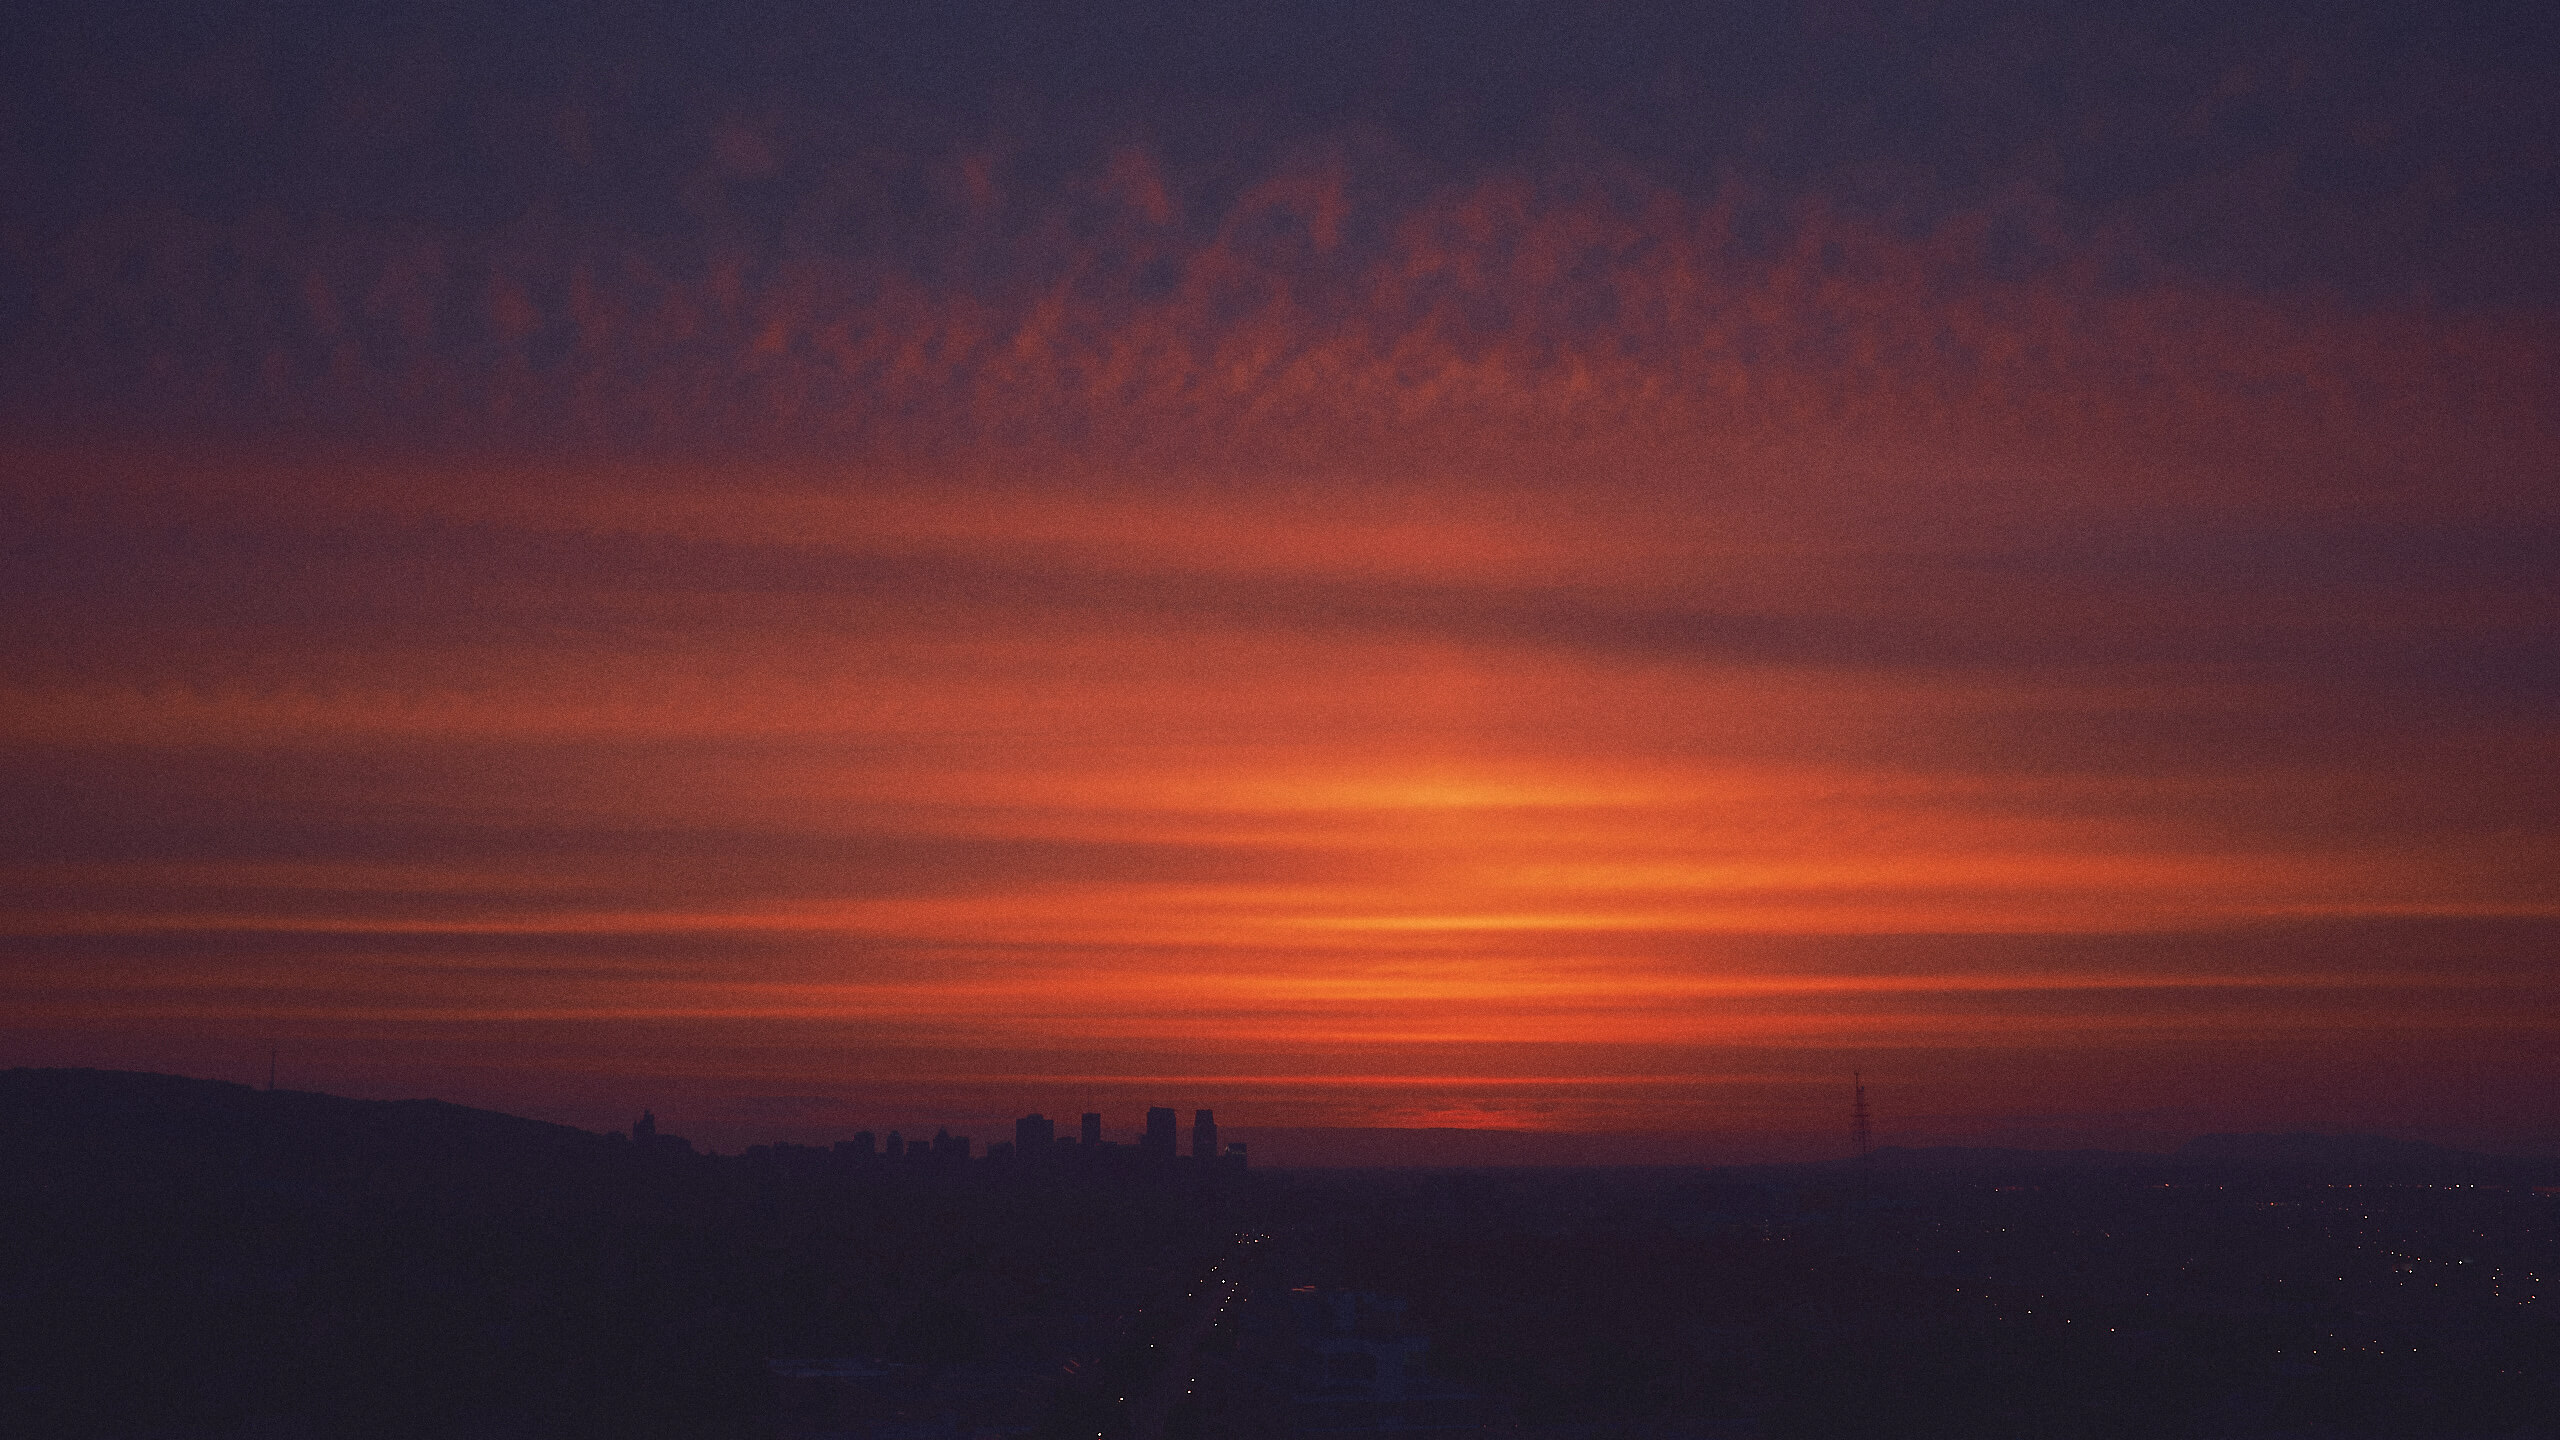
x=1861, y=1137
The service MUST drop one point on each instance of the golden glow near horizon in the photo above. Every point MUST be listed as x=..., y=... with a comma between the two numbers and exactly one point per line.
x=1547, y=649
x=1173, y=823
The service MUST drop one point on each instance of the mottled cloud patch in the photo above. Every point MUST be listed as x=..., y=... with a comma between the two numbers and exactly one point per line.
x=1289, y=560
x=1322, y=311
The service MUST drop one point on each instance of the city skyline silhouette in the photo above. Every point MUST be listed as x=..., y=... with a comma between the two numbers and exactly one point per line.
x=1544, y=574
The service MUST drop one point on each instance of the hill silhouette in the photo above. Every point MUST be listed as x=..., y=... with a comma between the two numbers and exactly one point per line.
x=192, y=1258
x=197, y=1260
x=136, y=1131
x=2357, y=1151
x=2337, y=1156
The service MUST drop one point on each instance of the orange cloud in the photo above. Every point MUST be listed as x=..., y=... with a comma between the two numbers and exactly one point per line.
x=1543, y=648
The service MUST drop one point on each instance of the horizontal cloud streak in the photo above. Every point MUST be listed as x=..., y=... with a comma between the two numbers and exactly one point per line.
x=1563, y=591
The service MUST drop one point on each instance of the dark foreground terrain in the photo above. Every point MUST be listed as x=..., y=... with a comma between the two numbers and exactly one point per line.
x=2026, y=1300
x=183, y=1258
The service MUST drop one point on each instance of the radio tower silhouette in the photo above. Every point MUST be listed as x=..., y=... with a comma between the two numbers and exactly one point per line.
x=1861, y=1138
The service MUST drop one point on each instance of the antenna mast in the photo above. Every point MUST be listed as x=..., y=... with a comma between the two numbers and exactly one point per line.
x=1860, y=1136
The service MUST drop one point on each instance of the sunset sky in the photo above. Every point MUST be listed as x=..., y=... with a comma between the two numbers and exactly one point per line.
x=1524, y=568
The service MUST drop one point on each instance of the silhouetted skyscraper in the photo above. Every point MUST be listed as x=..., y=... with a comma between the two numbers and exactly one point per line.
x=1204, y=1135
x=1160, y=1137
x=1093, y=1130
x=1033, y=1135
x=645, y=1137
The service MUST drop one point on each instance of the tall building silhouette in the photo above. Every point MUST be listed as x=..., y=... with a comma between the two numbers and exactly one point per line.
x=1034, y=1135
x=1160, y=1138
x=1204, y=1135
x=1093, y=1129
x=645, y=1137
